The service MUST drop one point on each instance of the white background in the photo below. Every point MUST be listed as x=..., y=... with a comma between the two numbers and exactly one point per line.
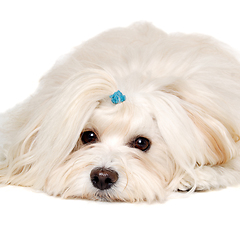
x=33, y=34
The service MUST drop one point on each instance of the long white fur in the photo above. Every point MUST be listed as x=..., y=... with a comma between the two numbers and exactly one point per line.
x=183, y=93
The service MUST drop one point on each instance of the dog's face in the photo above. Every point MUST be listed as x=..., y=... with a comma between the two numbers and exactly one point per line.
x=119, y=156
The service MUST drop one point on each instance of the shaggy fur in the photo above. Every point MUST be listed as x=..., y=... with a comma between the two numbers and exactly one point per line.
x=182, y=94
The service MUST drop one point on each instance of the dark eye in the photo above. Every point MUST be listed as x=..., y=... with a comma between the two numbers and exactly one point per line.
x=89, y=137
x=142, y=144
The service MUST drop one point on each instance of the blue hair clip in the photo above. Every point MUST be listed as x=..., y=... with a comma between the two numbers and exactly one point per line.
x=117, y=97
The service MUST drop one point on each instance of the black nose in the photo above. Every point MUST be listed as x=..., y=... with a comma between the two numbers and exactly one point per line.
x=103, y=178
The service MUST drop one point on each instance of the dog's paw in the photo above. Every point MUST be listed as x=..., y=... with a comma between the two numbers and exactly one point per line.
x=186, y=184
x=202, y=181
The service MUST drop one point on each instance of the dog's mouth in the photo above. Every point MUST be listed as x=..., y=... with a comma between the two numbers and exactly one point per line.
x=106, y=196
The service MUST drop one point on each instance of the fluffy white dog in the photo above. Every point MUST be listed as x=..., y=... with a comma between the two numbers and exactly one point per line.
x=133, y=114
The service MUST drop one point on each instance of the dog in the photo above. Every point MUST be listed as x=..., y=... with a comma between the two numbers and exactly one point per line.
x=134, y=114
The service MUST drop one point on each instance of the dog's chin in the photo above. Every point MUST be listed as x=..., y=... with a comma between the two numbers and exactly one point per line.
x=99, y=195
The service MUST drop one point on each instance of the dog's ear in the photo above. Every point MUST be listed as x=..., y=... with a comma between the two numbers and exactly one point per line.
x=43, y=131
x=214, y=124
x=219, y=137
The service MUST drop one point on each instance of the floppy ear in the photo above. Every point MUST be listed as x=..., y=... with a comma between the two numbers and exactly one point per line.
x=219, y=138
x=177, y=130
x=215, y=125
x=43, y=133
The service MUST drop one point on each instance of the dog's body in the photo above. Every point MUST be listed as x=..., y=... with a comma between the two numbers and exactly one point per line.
x=177, y=129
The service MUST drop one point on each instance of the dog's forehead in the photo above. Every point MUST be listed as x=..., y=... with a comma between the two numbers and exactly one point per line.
x=123, y=119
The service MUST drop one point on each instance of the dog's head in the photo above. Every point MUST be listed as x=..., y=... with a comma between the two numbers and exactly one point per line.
x=109, y=151
x=75, y=142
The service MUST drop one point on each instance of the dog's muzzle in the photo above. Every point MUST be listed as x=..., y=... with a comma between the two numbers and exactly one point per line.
x=103, y=178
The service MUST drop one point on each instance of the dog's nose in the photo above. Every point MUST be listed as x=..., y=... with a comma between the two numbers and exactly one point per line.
x=103, y=178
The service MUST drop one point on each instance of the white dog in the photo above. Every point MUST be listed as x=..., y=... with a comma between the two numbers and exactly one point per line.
x=131, y=115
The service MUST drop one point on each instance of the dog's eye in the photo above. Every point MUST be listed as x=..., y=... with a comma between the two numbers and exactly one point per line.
x=89, y=137
x=142, y=144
